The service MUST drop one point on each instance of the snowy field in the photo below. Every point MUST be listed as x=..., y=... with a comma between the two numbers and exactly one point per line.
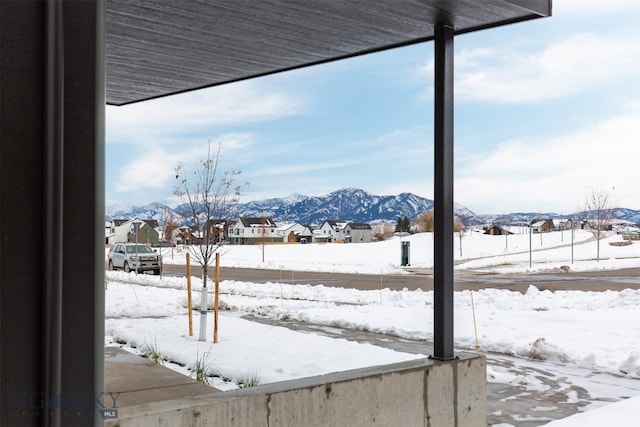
x=599, y=331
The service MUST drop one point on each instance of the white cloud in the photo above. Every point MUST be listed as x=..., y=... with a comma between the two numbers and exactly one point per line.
x=153, y=172
x=535, y=67
x=573, y=65
x=154, y=169
x=597, y=8
x=166, y=119
x=292, y=169
x=554, y=175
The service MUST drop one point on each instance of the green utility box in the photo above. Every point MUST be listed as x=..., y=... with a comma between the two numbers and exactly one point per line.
x=404, y=259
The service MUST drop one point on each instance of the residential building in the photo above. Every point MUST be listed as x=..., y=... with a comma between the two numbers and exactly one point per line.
x=332, y=231
x=181, y=235
x=357, y=232
x=542, y=225
x=249, y=231
x=338, y=231
x=294, y=232
x=496, y=230
x=123, y=230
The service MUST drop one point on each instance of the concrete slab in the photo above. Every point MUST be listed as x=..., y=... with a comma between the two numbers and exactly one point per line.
x=387, y=395
x=140, y=381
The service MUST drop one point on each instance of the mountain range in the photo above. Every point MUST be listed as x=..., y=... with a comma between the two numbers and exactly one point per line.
x=350, y=204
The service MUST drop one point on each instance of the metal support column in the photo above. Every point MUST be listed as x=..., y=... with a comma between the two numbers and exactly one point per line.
x=53, y=207
x=443, y=194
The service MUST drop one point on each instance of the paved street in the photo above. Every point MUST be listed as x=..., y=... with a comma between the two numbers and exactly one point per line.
x=585, y=281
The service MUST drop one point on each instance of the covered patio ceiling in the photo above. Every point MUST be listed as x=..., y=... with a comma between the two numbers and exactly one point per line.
x=161, y=47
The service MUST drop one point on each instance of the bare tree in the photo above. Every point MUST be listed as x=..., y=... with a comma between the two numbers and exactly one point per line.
x=424, y=222
x=599, y=211
x=169, y=225
x=382, y=231
x=207, y=193
x=460, y=228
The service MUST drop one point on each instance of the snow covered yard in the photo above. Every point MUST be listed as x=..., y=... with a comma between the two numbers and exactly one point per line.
x=599, y=331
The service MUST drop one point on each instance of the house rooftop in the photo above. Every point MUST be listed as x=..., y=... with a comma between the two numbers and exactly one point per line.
x=257, y=222
x=359, y=226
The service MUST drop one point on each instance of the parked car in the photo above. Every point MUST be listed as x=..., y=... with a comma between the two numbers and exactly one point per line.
x=137, y=257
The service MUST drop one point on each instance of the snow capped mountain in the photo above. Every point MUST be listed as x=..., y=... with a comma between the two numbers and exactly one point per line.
x=628, y=214
x=348, y=204
x=155, y=210
x=351, y=204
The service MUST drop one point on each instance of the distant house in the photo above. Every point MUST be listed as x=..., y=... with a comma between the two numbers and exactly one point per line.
x=542, y=225
x=562, y=224
x=181, y=235
x=337, y=231
x=249, y=231
x=191, y=235
x=108, y=234
x=294, y=232
x=496, y=230
x=124, y=230
x=152, y=222
x=331, y=231
x=219, y=229
x=358, y=233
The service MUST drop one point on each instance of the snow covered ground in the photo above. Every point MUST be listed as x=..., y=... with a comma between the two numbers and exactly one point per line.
x=598, y=331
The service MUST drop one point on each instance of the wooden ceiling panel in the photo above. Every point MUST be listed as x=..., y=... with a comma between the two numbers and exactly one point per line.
x=160, y=47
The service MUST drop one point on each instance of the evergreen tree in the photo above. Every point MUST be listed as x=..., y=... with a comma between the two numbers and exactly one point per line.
x=403, y=225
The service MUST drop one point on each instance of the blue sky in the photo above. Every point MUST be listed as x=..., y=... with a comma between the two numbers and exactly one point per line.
x=544, y=111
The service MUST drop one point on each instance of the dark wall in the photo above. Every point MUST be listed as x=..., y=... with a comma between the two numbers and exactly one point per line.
x=51, y=305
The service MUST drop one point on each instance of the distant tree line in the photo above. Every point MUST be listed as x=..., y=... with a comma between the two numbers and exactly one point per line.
x=422, y=223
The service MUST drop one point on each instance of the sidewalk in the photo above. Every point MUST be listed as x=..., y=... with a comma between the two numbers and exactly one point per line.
x=140, y=381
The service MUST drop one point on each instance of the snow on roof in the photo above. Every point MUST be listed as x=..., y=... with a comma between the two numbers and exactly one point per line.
x=359, y=226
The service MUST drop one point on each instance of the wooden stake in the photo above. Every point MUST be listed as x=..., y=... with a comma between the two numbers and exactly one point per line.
x=216, y=299
x=475, y=328
x=189, y=302
x=136, y=294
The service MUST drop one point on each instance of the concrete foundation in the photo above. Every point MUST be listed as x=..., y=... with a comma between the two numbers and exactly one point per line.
x=417, y=393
